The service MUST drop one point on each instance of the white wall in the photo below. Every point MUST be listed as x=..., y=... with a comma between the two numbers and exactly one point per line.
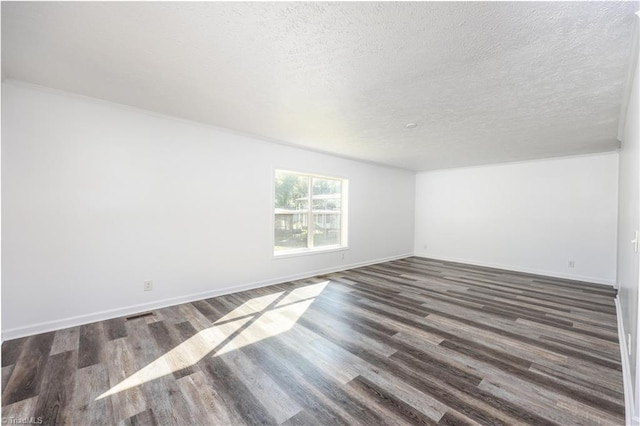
x=531, y=216
x=628, y=224
x=98, y=198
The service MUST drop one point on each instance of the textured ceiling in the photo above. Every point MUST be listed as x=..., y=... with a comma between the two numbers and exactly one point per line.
x=486, y=82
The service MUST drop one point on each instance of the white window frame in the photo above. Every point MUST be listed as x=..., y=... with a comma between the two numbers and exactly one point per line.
x=310, y=249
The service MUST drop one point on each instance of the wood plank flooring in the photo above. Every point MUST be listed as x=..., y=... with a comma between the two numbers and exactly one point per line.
x=413, y=341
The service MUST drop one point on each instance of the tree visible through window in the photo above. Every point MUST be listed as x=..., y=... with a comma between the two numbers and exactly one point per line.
x=310, y=212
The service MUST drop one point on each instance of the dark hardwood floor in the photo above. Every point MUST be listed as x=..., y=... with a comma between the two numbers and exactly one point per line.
x=413, y=341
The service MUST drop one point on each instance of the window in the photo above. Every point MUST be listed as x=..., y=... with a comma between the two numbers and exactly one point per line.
x=309, y=213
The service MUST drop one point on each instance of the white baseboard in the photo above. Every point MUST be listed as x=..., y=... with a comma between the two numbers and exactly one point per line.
x=519, y=269
x=631, y=415
x=59, y=324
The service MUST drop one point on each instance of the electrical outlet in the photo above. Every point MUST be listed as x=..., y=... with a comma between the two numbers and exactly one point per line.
x=629, y=343
x=342, y=256
x=148, y=285
x=572, y=264
x=424, y=246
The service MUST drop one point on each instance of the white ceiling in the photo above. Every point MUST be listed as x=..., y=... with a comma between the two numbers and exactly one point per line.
x=485, y=82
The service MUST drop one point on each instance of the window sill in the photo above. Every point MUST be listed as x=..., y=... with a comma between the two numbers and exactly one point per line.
x=306, y=252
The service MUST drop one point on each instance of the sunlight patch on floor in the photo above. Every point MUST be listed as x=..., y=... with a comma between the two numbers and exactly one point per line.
x=255, y=320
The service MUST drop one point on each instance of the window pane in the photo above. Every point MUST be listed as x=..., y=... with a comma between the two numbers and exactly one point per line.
x=324, y=202
x=326, y=229
x=292, y=192
x=290, y=231
x=326, y=186
x=327, y=195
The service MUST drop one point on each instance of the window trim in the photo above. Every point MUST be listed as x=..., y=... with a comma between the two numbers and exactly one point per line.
x=344, y=216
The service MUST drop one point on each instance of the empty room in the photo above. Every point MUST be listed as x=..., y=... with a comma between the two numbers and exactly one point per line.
x=304, y=213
